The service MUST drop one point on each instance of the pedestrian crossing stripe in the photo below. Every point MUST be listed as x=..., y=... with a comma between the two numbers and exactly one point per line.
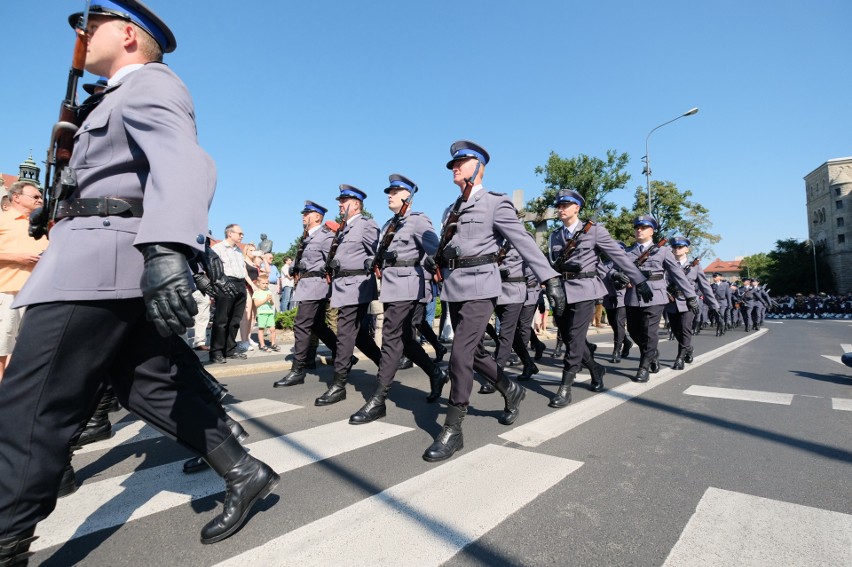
x=420, y=522
x=137, y=430
x=742, y=395
x=115, y=501
x=842, y=404
x=731, y=528
x=554, y=424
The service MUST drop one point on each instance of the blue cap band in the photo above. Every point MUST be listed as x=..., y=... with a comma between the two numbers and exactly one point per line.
x=353, y=194
x=137, y=18
x=468, y=153
x=401, y=185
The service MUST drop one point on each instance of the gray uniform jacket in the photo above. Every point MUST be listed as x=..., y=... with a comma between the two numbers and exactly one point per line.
x=358, y=244
x=533, y=287
x=659, y=263
x=512, y=268
x=315, y=287
x=414, y=240
x=484, y=219
x=139, y=142
x=699, y=284
x=749, y=296
x=585, y=258
x=722, y=293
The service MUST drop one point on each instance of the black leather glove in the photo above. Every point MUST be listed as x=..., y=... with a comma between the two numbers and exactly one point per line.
x=556, y=295
x=429, y=264
x=644, y=291
x=202, y=283
x=333, y=267
x=368, y=263
x=692, y=303
x=38, y=223
x=212, y=264
x=714, y=314
x=166, y=290
x=620, y=279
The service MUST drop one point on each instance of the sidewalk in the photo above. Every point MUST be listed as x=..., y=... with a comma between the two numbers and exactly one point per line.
x=259, y=362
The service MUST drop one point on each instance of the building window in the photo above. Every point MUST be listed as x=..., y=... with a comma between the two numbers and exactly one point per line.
x=838, y=204
x=841, y=238
x=839, y=221
x=837, y=191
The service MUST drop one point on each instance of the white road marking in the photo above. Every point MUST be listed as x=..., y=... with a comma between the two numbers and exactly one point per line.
x=744, y=395
x=122, y=499
x=730, y=528
x=775, y=322
x=138, y=430
x=552, y=425
x=833, y=358
x=842, y=404
x=423, y=521
x=846, y=347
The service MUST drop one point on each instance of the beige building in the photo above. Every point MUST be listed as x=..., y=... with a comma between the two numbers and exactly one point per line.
x=829, y=189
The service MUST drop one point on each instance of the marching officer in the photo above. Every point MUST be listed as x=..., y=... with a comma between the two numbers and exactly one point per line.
x=722, y=293
x=643, y=315
x=112, y=293
x=404, y=286
x=578, y=268
x=311, y=293
x=680, y=316
x=524, y=333
x=353, y=287
x=472, y=285
x=749, y=302
x=616, y=313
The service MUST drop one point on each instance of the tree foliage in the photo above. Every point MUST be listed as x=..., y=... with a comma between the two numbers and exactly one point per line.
x=760, y=266
x=793, y=268
x=591, y=177
x=675, y=213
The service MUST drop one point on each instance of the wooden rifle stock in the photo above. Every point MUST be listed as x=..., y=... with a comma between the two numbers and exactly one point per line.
x=297, y=275
x=644, y=256
x=58, y=179
x=387, y=238
x=450, y=227
x=335, y=243
x=571, y=245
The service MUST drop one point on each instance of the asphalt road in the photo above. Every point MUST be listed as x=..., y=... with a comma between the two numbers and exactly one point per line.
x=741, y=459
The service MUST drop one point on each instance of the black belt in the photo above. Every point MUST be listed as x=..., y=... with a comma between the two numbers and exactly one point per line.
x=469, y=261
x=345, y=273
x=99, y=207
x=578, y=275
x=514, y=280
x=317, y=274
x=652, y=277
x=401, y=263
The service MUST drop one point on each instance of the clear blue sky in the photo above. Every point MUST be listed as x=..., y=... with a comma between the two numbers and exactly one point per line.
x=295, y=98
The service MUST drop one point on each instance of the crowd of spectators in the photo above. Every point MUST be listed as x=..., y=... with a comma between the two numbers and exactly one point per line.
x=811, y=306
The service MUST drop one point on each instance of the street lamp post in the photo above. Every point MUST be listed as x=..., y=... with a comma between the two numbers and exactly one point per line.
x=816, y=276
x=647, y=158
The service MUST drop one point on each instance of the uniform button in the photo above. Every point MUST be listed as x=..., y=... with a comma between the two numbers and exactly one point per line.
x=106, y=223
x=200, y=239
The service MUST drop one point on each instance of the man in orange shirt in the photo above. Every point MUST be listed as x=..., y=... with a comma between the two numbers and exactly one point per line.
x=18, y=256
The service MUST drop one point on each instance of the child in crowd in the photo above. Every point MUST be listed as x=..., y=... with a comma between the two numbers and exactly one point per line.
x=262, y=298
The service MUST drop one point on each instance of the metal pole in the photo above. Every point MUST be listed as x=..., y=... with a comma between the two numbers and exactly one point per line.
x=689, y=112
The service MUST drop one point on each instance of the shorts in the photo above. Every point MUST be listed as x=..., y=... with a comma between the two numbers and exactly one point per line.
x=265, y=320
x=10, y=322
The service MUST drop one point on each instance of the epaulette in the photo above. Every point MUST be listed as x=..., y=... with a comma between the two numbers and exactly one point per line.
x=496, y=194
x=418, y=213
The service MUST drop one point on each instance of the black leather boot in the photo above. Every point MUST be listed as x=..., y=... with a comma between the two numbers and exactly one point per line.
x=625, y=347
x=198, y=464
x=98, y=427
x=557, y=351
x=616, y=353
x=68, y=485
x=374, y=408
x=112, y=400
x=450, y=439
x=216, y=388
x=597, y=371
x=563, y=394
x=539, y=350
x=688, y=354
x=678, y=362
x=247, y=480
x=642, y=374
x=336, y=393
x=529, y=371
x=437, y=379
x=654, y=361
x=440, y=353
x=405, y=363
x=15, y=550
x=513, y=394
x=592, y=348
x=295, y=376
x=487, y=387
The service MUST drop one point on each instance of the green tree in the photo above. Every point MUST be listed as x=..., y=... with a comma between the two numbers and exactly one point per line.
x=675, y=213
x=591, y=177
x=759, y=266
x=793, y=268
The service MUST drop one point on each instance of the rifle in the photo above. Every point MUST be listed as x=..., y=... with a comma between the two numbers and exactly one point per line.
x=571, y=245
x=644, y=256
x=334, y=244
x=387, y=238
x=451, y=224
x=59, y=179
x=297, y=275
x=671, y=289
